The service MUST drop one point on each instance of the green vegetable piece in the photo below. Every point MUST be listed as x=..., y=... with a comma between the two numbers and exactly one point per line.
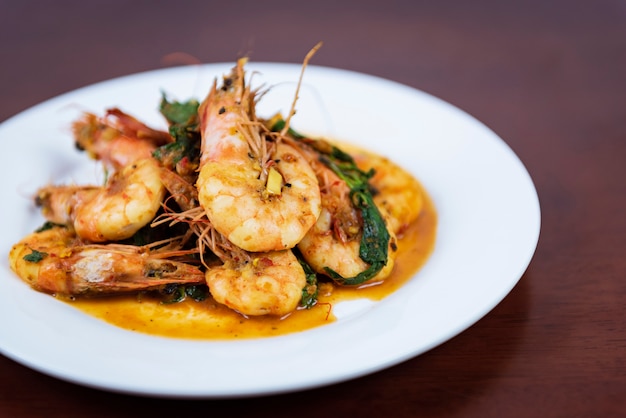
x=310, y=290
x=176, y=293
x=279, y=124
x=177, y=112
x=184, y=128
x=48, y=225
x=197, y=293
x=35, y=256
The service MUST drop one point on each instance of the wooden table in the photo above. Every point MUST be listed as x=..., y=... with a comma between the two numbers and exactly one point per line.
x=548, y=76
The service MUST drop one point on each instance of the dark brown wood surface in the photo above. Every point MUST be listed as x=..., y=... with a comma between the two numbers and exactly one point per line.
x=548, y=76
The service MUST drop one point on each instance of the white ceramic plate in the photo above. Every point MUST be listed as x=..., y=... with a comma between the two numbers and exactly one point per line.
x=489, y=221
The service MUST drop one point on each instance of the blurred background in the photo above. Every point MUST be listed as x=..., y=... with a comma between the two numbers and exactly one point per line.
x=508, y=63
x=472, y=54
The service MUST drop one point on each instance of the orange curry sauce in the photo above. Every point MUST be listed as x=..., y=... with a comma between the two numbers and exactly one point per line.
x=208, y=320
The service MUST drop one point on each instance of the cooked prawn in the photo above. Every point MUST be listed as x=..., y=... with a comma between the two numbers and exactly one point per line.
x=129, y=201
x=334, y=241
x=269, y=284
x=322, y=249
x=58, y=203
x=117, y=139
x=260, y=199
x=56, y=261
x=132, y=194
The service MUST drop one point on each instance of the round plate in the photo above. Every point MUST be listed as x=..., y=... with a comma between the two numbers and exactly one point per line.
x=488, y=227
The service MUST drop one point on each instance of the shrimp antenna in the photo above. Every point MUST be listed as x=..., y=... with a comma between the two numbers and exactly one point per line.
x=292, y=111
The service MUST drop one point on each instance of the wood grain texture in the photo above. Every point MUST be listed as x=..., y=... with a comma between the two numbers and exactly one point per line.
x=548, y=77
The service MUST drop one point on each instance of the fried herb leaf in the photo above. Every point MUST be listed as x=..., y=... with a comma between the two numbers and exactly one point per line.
x=35, y=256
x=310, y=290
x=277, y=123
x=184, y=128
x=178, y=113
x=48, y=225
x=197, y=293
x=177, y=293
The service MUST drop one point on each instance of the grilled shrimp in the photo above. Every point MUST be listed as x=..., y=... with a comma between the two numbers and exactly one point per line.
x=129, y=201
x=261, y=200
x=56, y=261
